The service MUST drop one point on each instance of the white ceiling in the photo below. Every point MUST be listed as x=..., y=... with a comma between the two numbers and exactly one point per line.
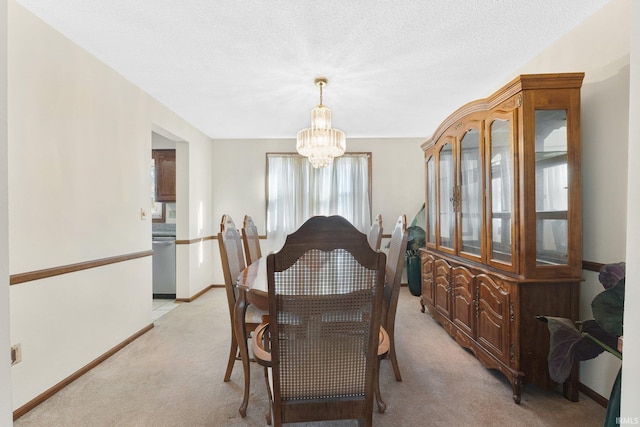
x=245, y=69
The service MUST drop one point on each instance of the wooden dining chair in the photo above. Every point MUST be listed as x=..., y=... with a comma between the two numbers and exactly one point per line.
x=375, y=233
x=232, y=265
x=325, y=305
x=250, y=240
x=395, y=263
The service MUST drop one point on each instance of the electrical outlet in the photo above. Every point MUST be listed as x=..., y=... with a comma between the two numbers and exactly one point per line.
x=16, y=354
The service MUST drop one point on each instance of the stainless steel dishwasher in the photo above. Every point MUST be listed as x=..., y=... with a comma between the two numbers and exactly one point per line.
x=164, y=267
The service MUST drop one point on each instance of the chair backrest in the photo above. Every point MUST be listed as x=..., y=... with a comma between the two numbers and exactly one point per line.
x=251, y=240
x=325, y=301
x=395, y=263
x=375, y=233
x=231, y=257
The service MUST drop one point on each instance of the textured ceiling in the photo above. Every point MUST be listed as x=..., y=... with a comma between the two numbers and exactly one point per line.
x=245, y=69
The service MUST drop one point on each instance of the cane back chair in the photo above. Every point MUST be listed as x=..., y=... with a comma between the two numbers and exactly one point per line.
x=375, y=233
x=232, y=265
x=325, y=306
x=250, y=240
x=395, y=263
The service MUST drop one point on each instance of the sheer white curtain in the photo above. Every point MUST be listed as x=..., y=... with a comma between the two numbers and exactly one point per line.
x=297, y=191
x=471, y=198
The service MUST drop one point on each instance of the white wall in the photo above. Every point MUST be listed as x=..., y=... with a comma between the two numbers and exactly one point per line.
x=75, y=192
x=600, y=48
x=160, y=142
x=79, y=144
x=5, y=342
x=631, y=363
x=239, y=181
x=195, y=190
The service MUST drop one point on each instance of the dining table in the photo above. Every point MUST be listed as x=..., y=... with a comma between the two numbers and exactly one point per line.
x=253, y=289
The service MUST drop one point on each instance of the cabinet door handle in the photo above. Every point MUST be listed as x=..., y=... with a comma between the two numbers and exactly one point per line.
x=455, y=199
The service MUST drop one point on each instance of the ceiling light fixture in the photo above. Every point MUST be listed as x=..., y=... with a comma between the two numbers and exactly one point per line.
x=320, y=143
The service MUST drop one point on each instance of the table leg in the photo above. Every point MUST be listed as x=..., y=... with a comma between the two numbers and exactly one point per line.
x=241, y=336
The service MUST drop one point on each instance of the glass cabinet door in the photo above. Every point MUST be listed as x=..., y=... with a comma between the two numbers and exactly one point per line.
x=552, y=181
x=431, y=201
x=470, y=193
x=445, y=188
x=501, y=182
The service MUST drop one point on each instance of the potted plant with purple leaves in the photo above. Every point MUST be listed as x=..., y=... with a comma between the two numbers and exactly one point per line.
x=570, y=342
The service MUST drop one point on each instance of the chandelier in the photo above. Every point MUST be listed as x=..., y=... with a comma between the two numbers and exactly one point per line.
x=320, y=143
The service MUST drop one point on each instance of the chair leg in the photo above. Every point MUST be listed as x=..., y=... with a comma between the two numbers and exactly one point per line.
x=393, y=357
x=233, y=356
x=241, y=341
x=270, y=398
x=376, y=387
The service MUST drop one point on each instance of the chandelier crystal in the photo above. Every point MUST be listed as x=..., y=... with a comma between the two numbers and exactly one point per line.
x=321, y=143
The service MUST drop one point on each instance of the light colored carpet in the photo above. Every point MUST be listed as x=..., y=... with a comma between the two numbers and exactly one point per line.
x=172, y=376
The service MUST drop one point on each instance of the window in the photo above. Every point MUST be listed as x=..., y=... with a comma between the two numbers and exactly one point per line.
x=296, y=191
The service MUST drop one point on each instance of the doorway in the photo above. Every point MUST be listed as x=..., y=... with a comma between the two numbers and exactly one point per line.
x=163, y=228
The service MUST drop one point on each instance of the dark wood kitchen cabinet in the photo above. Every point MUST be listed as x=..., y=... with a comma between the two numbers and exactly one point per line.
x=165, y=174
x=504, y=224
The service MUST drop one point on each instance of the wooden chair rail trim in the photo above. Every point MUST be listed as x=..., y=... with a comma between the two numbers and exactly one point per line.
x=591, y=266
x=202, y=239
x=55, y=271
x=29, y=276
x=261, y=237
x=196, y=240
x=71, y=378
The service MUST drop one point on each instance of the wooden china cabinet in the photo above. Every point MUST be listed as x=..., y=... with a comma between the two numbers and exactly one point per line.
x=504, y=224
